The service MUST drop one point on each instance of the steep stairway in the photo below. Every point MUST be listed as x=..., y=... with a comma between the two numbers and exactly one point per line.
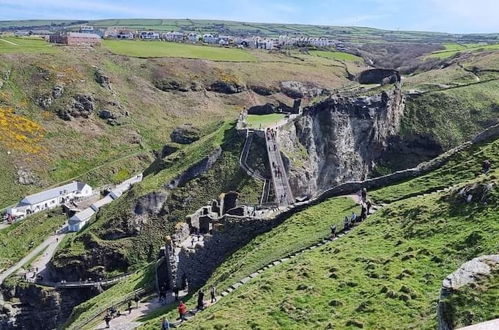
x=282, y=189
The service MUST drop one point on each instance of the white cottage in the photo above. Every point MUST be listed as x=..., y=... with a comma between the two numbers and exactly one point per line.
x=51, y=198
x=80, y=219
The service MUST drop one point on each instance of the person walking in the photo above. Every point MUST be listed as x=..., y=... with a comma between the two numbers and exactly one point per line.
x=200, y=305
x=129, y=307
x=136, y=299
x=175, y=292
x=213, y=294
x=182, y=311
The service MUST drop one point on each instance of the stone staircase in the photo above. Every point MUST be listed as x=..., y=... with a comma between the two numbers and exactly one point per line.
x=282, y=189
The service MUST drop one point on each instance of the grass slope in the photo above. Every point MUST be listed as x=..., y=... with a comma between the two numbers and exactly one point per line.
x=18, y=239
x=10, y=45
x=262, y=121
x=169, y=49
x=336, y=55
x=398, y=257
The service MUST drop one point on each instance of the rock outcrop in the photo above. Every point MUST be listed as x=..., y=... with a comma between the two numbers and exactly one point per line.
x=185, y=134
x=57, y=91
x=102, y=79
x=26, y=177
x=44, y=101
x=167, y=85
x=339, y=140
x=263, y=90
x=298, y=90
x=82, y=105
x=379, y=76
x=227, y=87
x=469, y=273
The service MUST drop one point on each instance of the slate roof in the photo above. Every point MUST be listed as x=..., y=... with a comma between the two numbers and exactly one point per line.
x=81, y=216
x=52, y=193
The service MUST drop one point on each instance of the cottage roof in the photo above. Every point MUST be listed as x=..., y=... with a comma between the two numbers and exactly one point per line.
x=81, y=216
x=52, y=193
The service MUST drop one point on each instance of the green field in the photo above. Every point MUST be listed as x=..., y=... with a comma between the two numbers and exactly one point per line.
x=336, y=55
x=169, y=49
x=13, y=45
x=452, y=48
x=262, y=121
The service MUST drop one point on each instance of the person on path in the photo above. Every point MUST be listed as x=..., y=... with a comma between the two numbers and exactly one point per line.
x=333, y=231
x=364, y=195
x=353, y=218
x=346, y=223
x=213, y=294
x=129, y=307
x=200, y=305
x=182, y=311
x=165, y=324
x=136, y=299
x=107, y=319
x=368, y=206
x=363, y=214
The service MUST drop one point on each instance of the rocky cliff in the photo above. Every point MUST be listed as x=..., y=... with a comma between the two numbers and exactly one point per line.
x=339, y=140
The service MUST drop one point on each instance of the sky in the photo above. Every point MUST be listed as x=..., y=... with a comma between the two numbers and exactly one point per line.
x=454, y=16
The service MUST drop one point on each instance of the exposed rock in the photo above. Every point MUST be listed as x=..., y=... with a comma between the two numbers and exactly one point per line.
x=379, y=76
x=81, y=106
x=110, y=117
x=102, y=79
x=26, y=177
x=44, y=101
x=150, y=204
x=227, y=87
x=167, y=85
x=168, y=150
x=298, y=90
x=339, y=140
x=262, y=109
x=469, y=272
x=4, y=76
x=262, y=90
x=185, y=134
x=57, y=91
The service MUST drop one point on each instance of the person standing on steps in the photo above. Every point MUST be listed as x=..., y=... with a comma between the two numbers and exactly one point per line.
x=333, y=231
x=165, y=324
x=129, y=307
x=200, y=305
x=363, y=194
x=368, y=206
x=363, y=213
x=182, y=311
x=107, y=319
x=213, y=294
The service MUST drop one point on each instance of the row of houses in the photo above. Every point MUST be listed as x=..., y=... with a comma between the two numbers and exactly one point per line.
x=223, y=40
x=49, y=199
x=80, y=219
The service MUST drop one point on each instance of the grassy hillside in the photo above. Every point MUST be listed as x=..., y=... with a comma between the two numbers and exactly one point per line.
x=452, y=49
x=89, y=148
x=19, y=239
x=11, y=45
x=385, y=274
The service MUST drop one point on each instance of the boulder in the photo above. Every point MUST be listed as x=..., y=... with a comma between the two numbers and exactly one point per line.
x=26, y=177
x=106, y=114
x=57, y=91
x=84, y=102
x=81, y=106
x=227, y=87
x=102, y=79
x=185, y=134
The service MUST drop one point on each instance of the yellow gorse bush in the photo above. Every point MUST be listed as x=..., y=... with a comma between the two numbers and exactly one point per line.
x=20, y=133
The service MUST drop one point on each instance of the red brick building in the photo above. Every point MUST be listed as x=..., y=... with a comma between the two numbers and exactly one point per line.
x=75, y=39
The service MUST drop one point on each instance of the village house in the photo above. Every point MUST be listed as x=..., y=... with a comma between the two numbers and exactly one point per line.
x=193, y=37
x=49, y=199
x=210, y=39
x=173, y=36
x=149, y=35
x=75, y=38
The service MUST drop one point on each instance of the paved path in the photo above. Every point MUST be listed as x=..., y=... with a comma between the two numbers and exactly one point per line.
x=129, y=321
x=283, y=193
x=42, y=262
x=50, y=243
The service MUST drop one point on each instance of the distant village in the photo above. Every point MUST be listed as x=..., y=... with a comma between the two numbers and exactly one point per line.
x=88, y=35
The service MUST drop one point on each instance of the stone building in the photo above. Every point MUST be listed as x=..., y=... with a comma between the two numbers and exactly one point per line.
x=75, y=39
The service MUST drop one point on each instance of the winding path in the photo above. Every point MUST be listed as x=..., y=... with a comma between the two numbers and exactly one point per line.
x=50, y=244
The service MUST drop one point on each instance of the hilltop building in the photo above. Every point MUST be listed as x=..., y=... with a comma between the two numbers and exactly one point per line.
x=75, y=39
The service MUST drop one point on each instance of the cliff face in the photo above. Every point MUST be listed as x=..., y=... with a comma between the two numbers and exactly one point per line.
x=339, y=140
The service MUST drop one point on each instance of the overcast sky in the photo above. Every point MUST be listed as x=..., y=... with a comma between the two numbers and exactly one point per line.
x=457, y=16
